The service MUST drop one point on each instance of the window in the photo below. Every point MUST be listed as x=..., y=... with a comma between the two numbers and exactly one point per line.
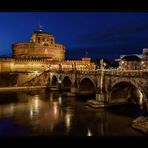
x=51, y=40
x=45, y=44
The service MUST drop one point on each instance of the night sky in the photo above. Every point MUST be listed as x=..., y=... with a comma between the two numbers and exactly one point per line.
x=104, y=34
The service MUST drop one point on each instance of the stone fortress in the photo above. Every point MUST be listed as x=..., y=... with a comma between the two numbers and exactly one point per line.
x=41, y=46
x=29, y=59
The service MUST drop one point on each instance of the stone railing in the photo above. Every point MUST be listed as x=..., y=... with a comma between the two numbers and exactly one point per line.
x=128, y=73
x=87, y=72
x=111, y=72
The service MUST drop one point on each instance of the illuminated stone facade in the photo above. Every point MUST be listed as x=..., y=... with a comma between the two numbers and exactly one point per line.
x=134, y=62
x=81, y=65
x=30, y=59
x=41, y=46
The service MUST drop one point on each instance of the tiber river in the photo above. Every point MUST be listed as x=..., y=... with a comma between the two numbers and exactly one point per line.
x=44, y=113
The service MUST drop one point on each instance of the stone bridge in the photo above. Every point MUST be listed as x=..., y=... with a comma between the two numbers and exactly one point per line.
x=108, y=86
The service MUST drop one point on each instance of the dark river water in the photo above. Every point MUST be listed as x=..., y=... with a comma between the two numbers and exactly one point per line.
x=44, y=113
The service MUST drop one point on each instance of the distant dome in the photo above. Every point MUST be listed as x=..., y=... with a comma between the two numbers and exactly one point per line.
x=131, y=58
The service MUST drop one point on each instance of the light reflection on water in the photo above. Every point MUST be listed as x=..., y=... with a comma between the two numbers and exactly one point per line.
x=48, y=113
x=89, y=132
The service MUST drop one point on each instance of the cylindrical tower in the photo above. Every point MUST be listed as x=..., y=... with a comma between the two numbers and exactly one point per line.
x=41, y=45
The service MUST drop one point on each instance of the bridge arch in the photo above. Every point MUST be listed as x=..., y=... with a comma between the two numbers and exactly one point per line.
x=54, y=81
x=92, y=79
x=87, y=86
x=66, y=83
x=127, y=91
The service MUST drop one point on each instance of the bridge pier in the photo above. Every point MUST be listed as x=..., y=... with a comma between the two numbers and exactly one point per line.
x=74, y=90
x=100, y=97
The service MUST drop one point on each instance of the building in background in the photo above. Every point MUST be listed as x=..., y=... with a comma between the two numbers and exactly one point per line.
x=134, y=62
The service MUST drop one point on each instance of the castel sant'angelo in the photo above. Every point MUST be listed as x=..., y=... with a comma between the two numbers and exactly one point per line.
x=41, y=46
x=30, y=59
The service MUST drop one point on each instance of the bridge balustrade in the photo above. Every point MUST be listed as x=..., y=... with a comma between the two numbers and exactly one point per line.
x=113, y=72
x=88, y=72
x=129, y=73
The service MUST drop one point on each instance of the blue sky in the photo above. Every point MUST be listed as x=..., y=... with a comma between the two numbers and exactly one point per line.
x=103, y=34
